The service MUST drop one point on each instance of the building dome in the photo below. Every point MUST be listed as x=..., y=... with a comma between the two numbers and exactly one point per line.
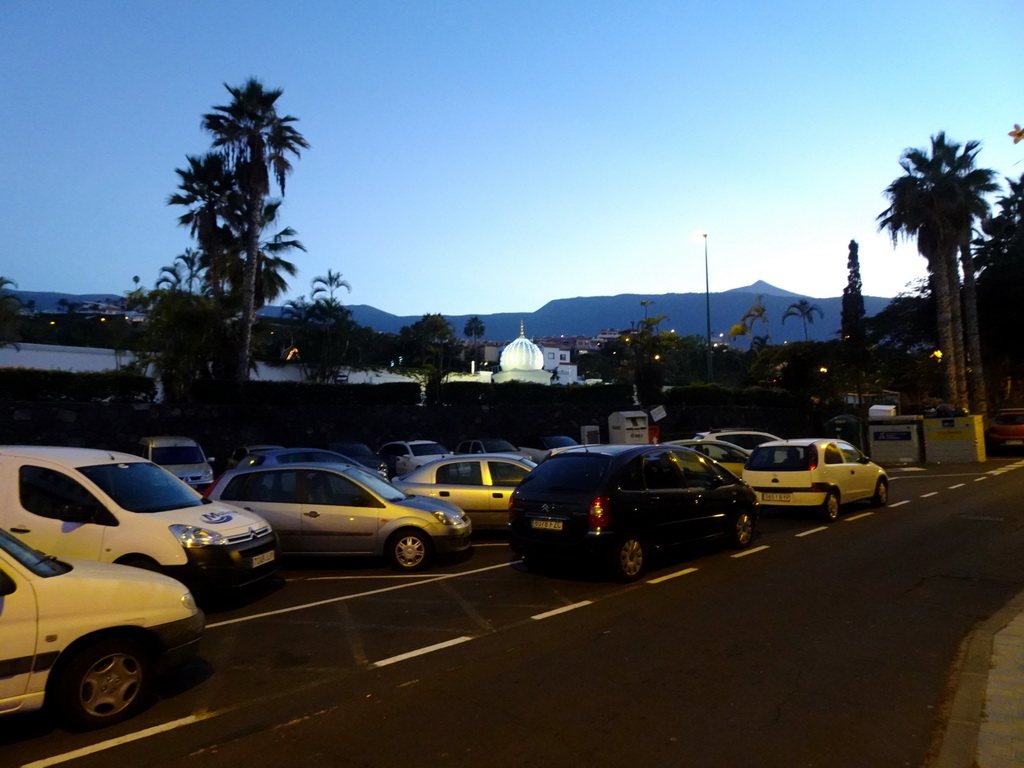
x=522, y=360
x=522, y=355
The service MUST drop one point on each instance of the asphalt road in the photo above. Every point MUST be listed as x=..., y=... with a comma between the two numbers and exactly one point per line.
x=819, y=646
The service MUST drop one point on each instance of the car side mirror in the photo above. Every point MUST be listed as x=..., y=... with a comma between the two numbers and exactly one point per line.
x=7, y=585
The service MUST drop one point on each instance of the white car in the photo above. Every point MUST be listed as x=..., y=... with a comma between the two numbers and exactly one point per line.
x=102, y=505
x=744, y=438
x=403, y=456
x=822, y=473
x=87, y=639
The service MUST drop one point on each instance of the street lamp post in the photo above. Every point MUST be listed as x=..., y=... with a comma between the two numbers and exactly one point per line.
x=707, y=302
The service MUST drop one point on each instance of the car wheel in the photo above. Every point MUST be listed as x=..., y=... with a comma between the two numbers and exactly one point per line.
x=830, y=507
x=742, y=532
x=629, y=559
x=103, y=684
x=410, y=550
x=881, y=497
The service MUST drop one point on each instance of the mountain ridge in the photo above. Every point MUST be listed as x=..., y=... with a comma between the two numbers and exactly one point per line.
x=685, y=313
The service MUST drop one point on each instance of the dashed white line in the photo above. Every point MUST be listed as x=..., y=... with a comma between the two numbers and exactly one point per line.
x=851, y=518
x=812, y=530
x=926, y=495
x=660, y=579
x=563, y=609
x=126, y=739
x=958, y=485
x=420, y=651
x=898, y=504
x=746, y=552
x=979, y=479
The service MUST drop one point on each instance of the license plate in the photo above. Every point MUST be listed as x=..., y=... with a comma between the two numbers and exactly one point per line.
x=1013, y=442
x=547, y=525
x=776, y=497
x=263, y=559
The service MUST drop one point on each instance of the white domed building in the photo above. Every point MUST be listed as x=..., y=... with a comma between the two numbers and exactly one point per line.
x=522, y=360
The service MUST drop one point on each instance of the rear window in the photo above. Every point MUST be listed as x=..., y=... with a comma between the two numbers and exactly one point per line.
x=427, y=449
x=779, y=458
x=1009, y=418
x=568, y=473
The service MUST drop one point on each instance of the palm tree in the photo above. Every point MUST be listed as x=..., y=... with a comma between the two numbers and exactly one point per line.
x=756, y=313
x=475, y=329
x=936, y=202
x=186, y=274
x=214, y=217
x=10, y=312
x=327, y=285
x=805, y=311
x=256, y=142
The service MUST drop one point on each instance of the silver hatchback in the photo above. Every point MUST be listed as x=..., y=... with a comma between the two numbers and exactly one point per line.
x=335, y=509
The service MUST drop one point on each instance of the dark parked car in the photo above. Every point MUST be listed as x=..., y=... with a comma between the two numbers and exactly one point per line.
x=361, y=453
x=619, y=503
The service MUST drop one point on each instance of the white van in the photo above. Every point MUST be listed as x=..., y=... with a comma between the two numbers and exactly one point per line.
x=101, y=505
x=181, y=456
x=86, y=639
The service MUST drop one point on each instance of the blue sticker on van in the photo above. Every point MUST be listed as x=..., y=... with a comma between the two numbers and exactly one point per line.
x=216, y=517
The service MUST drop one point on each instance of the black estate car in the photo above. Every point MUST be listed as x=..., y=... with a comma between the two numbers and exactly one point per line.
x=618, y=503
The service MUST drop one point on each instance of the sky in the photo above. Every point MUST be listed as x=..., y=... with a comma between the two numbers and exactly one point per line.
x=481, y=156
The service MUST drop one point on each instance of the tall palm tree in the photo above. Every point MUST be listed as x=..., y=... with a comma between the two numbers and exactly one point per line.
x=805, y=311
x=257, y=143
x=214, y=216
x=186, y=274
x=325, y=286
x=935, y=202
x=757, y=313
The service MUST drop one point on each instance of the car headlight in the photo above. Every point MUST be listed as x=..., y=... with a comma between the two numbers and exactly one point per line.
x=194, y=536
x=189, y=602
x=447, y=518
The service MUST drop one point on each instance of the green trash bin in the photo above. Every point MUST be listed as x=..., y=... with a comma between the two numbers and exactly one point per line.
x=845, y=427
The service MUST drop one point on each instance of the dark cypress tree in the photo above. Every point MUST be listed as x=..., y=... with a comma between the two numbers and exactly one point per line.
x=853, y=303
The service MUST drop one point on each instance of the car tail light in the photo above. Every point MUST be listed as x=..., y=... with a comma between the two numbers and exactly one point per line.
x=512, y=511
x=812, y=457
x=599, y=514
x=210, y=487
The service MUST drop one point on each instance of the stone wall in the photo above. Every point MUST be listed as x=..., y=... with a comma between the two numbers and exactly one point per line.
x=219, y=429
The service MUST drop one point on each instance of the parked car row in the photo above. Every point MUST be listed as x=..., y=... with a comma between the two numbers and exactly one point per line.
x=613, y=505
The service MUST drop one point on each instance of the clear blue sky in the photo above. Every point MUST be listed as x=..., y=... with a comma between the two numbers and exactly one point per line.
x=478, y=156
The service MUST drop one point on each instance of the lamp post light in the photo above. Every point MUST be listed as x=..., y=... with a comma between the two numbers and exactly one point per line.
x=707, y=302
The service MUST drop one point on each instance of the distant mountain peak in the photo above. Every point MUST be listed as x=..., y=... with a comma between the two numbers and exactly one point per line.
x=765, y=288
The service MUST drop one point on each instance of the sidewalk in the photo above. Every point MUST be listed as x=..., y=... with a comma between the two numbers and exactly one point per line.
x=986, y=719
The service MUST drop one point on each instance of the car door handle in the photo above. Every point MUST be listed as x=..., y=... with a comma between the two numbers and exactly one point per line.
x=444, y=493
x=21, y=530
x=312, y=513
x=498, y=495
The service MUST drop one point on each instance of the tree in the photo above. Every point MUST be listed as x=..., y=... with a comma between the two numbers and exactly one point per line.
x=256, y=142
x=935, y=202
x=10, y=313
x=475, y=330
x=756, y=314
x=805, y=311
x=186, y=274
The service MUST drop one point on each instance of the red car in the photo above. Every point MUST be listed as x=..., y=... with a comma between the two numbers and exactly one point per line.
x=1006, y=430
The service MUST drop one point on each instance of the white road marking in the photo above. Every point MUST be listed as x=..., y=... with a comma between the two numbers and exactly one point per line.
x=857, y=517
x=813, y=530
x=563, y=609
x=318, y=603
x=126, y=739
x=899, y=504
x=979, y=479
x=746, y=552
x=671, y=576
x=420, y=652
x=926, y=495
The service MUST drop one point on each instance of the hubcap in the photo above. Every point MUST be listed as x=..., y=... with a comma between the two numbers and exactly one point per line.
x=631, y=557
x=111, y=685
x=744, y=529
x=410, y=551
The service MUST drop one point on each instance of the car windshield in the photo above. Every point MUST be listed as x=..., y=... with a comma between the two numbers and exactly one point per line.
x=139, y=486
x=558, y=441
x=1009, y=418
x=427, y=449
x=497, y=446
x=32, y=559
x=778, y=458
x=377, y=484
x=568, y=473
x=177, y=454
